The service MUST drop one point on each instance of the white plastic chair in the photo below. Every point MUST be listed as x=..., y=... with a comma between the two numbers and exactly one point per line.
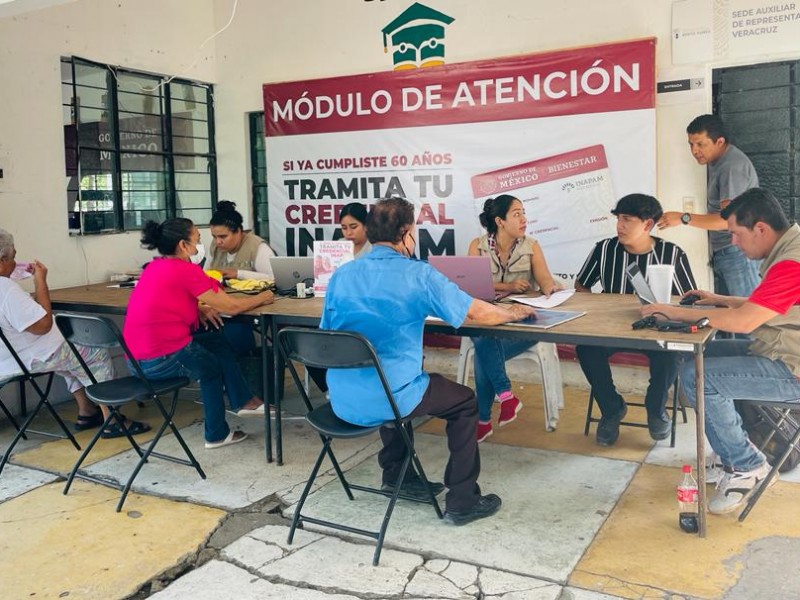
x=543, y=353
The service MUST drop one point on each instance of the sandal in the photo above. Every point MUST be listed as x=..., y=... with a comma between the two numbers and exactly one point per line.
x=113, y=430
x=234, y=437
x=84, y=422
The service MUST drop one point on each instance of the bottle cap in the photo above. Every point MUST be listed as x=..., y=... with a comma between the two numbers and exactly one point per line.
x=687, y=468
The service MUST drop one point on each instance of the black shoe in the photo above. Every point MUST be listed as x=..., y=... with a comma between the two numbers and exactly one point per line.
x=415, y=489
x=660, y=427
x=486, y=506
x=608, y=427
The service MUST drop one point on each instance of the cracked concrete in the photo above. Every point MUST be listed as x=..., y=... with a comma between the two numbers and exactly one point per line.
x=578, y=522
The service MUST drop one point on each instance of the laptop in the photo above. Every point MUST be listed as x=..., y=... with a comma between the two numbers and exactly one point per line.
x=640, y=286
x=291, y=270
x=473, y=274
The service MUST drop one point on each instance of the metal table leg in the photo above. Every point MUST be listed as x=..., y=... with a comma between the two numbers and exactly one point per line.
x=263, y=327
x=278, y=380
x=700, y=414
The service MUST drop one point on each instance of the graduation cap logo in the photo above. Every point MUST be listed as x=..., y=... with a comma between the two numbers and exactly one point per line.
x=416, y=37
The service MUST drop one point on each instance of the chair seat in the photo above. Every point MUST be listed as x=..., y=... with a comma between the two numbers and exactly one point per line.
x=128, y=389
x=324, y=420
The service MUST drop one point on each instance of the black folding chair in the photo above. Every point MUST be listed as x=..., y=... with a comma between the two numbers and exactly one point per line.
x=23, y=378
x=676, y=407
x=346, y=350
x=101, y=332
x=780, y=426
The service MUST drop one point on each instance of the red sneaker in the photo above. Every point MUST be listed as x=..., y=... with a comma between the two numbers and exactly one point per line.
x=484, y=431
x=508, y=410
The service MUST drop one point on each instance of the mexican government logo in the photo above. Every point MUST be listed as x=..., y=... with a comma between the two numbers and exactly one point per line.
x=416, y=37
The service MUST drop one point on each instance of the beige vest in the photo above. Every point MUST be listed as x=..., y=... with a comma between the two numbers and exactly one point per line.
x=245, y=259
x=519, y=263
x=779, y=338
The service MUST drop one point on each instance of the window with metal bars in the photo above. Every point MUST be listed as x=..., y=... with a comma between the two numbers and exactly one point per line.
x=138, y=146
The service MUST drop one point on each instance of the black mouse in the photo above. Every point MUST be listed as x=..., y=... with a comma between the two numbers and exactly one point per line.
x=690, y=299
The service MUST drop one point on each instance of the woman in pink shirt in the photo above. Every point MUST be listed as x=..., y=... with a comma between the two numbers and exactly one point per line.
x=172, y=326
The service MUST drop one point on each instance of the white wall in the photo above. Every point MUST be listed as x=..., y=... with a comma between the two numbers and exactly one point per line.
x=160, y=36
x=273, y=40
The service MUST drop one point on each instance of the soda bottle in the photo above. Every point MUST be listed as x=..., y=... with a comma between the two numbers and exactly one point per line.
x=687, y=501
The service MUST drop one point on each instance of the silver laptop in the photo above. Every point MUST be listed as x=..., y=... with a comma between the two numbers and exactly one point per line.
x=291, y=270
x=473, y=274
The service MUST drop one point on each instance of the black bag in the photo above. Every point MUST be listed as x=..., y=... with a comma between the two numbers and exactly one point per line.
x=759, y=429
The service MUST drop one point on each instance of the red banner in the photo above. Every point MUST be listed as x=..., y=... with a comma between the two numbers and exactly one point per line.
x=596, y=79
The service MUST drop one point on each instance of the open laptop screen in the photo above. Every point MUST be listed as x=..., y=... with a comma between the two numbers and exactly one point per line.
x=473, y=274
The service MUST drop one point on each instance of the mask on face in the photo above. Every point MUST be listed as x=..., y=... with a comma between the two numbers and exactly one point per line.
x=201, y=254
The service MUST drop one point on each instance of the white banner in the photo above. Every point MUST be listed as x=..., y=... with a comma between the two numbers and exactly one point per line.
x=567, y=132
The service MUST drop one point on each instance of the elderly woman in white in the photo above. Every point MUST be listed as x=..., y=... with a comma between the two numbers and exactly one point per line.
x=27, y=323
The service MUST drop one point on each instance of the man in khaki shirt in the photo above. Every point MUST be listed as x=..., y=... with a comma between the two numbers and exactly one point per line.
x=763, y=369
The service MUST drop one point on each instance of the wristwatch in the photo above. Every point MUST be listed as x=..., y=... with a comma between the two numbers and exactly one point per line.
x=686, y=218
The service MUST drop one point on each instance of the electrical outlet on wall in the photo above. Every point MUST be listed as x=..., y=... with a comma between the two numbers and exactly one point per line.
x=688, y=204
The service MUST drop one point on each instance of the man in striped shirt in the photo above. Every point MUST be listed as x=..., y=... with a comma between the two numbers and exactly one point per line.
x=636, y=215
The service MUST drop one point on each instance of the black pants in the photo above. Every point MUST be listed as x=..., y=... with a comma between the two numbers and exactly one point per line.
x=663, y=370
x=456, y=404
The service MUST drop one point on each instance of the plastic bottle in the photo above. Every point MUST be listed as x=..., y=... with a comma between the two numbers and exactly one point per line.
x=687, y=501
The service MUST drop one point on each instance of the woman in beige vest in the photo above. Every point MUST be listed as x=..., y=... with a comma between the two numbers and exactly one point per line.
x=237, y=254
x=518, y=266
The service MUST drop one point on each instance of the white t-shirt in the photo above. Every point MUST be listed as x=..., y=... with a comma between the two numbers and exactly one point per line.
x=18, y=311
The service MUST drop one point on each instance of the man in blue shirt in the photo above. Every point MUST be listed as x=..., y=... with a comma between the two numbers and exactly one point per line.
x=386, y=297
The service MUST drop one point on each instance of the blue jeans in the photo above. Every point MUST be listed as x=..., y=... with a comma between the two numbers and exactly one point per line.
x=734, y=273
x=239, y=334
x=491, y=354
x=208, y=358
x=730, y=373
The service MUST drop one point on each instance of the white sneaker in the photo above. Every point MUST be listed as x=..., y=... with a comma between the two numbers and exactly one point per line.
x=735, y=488
x=714, y=469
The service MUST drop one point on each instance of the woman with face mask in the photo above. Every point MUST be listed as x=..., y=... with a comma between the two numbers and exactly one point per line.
x=518, y=266
x=353, y=219
x=236, y=253
x=172, y=326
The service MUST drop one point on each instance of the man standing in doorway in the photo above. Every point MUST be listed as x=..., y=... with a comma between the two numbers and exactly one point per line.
x=730, y=173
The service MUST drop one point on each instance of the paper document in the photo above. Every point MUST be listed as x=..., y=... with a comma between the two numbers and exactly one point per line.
x=555, y=299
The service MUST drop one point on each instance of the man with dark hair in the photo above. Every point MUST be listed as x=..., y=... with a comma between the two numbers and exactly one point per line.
x=764, y=368
x=730, y=173
x=386, y=296
x=636, y=215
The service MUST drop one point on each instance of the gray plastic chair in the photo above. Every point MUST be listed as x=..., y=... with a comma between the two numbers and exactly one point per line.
x=23, y=378
x=86, y=330
x=346, y=350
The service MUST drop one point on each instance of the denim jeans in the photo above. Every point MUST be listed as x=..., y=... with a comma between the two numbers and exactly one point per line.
x=730, y=373
x=491, y=354
x=734, y=273
x=240, y=335
x=595, y=366
x=208, y=358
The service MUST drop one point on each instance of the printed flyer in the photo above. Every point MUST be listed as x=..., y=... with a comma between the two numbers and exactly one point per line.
x=329, y=256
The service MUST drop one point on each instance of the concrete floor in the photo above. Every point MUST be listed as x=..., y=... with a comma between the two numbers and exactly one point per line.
x=579, y=522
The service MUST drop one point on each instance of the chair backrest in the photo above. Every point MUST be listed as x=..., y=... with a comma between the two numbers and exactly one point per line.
x=14, y=355
x=97, y=332
x=327, y=349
